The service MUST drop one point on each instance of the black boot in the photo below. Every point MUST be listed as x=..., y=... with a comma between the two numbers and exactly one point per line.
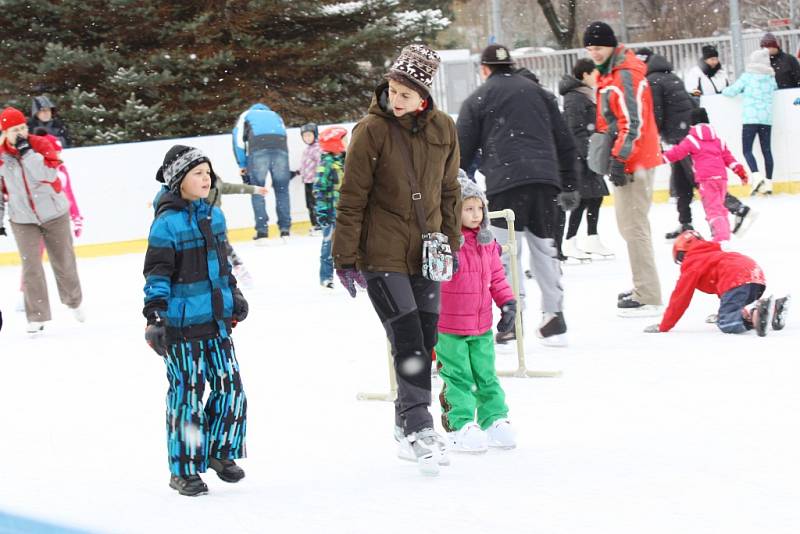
x=189, y=485
x=227, y=470
x=779, y=313
x=555, y=326
x=682, y=228
x=760, y=316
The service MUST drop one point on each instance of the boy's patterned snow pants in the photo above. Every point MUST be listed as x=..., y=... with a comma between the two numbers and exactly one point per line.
x=196, y=431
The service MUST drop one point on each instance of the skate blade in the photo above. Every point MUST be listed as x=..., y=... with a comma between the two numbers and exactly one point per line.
x=747, y=223
x=576, y=261
x=598, y=256
x=499, y=447
x=647, y=310
x=470, y=452
x=429, y=465
x=559, y=340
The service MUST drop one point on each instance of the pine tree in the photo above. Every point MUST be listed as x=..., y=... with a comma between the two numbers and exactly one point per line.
x=127, y=70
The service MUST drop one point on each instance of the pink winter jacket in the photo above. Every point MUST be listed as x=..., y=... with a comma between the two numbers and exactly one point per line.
x=710, y=154
x=466, y=308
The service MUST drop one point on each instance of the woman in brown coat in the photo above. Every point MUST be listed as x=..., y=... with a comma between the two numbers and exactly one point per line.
x=378, y=242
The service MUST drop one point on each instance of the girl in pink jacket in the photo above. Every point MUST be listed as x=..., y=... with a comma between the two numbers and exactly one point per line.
x=711, y=160
x=465, y=349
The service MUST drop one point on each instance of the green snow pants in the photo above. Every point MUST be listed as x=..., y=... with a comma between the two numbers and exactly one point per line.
x=466, y=366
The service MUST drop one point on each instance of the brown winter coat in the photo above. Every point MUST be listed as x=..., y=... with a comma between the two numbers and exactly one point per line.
x=376, y=228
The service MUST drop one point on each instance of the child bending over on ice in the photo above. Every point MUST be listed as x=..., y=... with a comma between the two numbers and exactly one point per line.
x=465, y=350
x=734, y=277
x=711, y=160
x=191, y=302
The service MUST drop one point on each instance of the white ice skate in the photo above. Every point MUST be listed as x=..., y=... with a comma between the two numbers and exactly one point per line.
x=470, y=439
x=502, y=435
x=79, y=313
x=743, y=220
x=629, y=307
x=425, y=447
x=34, y=327
x=573, y=253
x=757, y=184
x=596, y=249
x=327, y=286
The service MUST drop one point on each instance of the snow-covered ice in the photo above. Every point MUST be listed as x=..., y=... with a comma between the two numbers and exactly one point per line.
x=692, y=431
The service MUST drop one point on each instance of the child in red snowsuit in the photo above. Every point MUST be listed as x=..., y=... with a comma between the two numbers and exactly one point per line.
x=735, y=278
x=710, y=159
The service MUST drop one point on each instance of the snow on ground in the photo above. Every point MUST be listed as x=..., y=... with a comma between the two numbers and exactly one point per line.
x=691, y=431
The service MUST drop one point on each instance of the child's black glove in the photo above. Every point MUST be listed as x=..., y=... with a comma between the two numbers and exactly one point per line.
x=506, y=321
x=240, y=307
x=22, y=145
x=156, y=334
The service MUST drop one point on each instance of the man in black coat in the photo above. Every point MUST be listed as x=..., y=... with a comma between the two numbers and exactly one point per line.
x=528, y=159
x=786, y=67
x=43, y=115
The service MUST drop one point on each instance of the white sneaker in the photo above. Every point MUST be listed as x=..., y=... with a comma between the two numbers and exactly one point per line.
x=470, y=439
x=79, y=313
x=502, y=435
x=570, y=250
x=34, y=327
x=426, y=447
x=593, y=245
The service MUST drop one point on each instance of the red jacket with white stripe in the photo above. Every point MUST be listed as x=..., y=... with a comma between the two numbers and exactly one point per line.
x=708, y=268
x=625, y=106
x=710, y=155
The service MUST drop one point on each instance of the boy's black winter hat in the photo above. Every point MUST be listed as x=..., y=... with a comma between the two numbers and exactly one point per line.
x=599, y=33
x=710, y=51
x=699, y=116
x=179, y=160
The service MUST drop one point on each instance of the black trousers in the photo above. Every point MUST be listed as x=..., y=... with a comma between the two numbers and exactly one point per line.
x=310, y=203
x=408, y=307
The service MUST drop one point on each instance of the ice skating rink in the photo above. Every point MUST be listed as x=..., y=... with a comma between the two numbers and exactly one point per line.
x=692, y=431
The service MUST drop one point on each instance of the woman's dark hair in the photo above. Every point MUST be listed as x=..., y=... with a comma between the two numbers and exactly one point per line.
x=581, y=67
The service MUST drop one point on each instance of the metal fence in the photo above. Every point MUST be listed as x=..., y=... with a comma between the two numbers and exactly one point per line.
x=456, y=80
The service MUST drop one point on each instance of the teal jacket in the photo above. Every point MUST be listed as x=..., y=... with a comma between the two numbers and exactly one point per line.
x=757, y=91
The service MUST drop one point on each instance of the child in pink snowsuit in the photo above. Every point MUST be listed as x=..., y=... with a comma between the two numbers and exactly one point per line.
x=63, y=176
x=711, y=160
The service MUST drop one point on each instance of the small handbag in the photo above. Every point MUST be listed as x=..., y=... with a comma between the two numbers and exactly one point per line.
x=599, y=155
x=437, y=256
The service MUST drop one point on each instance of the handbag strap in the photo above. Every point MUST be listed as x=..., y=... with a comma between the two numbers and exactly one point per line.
x=416, y=195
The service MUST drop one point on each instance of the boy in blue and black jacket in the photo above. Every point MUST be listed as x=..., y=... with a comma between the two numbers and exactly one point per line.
x=191, y=304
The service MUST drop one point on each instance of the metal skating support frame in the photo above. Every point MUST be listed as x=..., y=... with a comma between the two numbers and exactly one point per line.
x=392, y=395
x=511, y=248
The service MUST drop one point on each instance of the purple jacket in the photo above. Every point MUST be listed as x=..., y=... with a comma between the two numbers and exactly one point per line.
x=467, y=299
x=309, y=163
x=710, y=154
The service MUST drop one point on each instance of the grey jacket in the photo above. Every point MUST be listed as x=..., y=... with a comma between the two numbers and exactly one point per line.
x=31, y=187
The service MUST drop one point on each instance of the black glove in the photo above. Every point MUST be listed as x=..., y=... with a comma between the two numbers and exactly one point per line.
x=22, y=145
x=246, y=178
x=3, y=230
x=506, y=321
x=156, y=334
x=569, y=200
x=292, y=174
x=617, y=173
x=240, y=306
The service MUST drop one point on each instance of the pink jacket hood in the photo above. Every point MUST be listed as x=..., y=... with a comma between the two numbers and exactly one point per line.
x=466, y=307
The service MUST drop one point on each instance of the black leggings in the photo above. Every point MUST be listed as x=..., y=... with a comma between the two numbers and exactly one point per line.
x=592, y=207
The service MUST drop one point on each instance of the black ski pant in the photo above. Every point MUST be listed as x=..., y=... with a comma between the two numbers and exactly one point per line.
x=683, y=186
x=408, y=307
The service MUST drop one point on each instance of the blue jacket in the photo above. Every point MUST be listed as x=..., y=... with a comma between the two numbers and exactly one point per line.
x=258, y=128
x=757, y=92
x=188, y=279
